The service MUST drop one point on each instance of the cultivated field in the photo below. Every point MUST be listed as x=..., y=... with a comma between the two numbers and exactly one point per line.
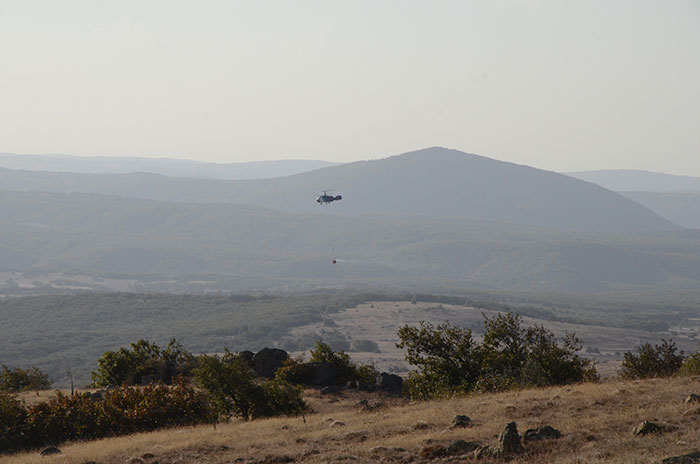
x=596, y=422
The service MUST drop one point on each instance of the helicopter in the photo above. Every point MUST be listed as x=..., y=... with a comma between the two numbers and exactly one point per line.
x=326, y=199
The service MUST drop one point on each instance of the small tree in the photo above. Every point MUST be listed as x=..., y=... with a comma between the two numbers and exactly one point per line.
x=448, y=358
x=234, y=390
x=145, y=360
x=18, y=379
x=649, y=360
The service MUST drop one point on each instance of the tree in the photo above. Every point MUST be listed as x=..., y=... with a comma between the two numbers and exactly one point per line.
x=18, y=379
x=649, y=360
x=145, y=361
x=450, y=360
x=232, y=385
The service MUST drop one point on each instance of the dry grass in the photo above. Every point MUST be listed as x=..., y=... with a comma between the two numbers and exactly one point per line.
x=595, y=419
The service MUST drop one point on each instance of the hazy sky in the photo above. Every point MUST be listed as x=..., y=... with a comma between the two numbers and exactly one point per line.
x=561, y=85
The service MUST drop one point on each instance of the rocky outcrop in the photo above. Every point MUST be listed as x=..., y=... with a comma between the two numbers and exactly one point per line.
x=390, y=383
x=508, y=444
x=456, y=448
x=690, y=458
x=544, y=432
x=460, y=421
x=647, y=427
x=268, y=360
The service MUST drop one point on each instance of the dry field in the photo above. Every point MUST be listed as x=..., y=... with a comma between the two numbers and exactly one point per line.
x=379, y=321
x=596, y=422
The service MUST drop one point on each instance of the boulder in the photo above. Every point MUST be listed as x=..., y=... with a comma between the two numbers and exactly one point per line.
x=647, y=427
x=541, y=433
x=461, y=421
x=323, y=374
x=247, y=356
x=330, y=390
x=268, y=360
x=456, y=448
x=690, y=458
x=508, y=444
x=390, y=383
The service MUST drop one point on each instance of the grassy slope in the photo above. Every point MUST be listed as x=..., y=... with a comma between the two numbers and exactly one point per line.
x=596, y=421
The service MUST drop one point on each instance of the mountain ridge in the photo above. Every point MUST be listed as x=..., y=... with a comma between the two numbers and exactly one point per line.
x=434, y=182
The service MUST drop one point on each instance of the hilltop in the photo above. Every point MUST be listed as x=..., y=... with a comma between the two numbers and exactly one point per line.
x=434, y=182
x=595, y=421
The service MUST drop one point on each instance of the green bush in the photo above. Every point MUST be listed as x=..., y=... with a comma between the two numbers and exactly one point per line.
x=235, y=391
x=450, y=360
x=123, y=411
x=13, y=424
x=648, y=361
x=691, y=365
x=17, y=379
x=146, y=362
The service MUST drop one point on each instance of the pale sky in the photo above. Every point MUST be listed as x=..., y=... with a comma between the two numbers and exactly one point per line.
x=560, y=85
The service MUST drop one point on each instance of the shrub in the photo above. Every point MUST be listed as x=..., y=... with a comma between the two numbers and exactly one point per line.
x=232, y=385
x=691, y=365
x=13, y=424
x=123, y=411
x=450, y=360
x=17, y=379
x=649, y=360
x=145, y=361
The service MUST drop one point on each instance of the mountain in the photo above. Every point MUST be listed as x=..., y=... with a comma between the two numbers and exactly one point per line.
x=162, y=166
x=682, y=208
x=676, y=198
x=629, y=180
x=191, y=247
x=434, y=182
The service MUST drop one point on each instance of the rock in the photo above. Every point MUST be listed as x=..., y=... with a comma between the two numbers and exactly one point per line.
x=456, y=448
x=337, y=424
x=390, y=383
x=247, y=356
x=647, y=427
x=387, y=450
x=692, y=398
x=460, y=447
x=421, y=425
x=367, y=405
x=432, y=452
x=271, y=459
x=50, y=450
x=323, y=374
x=508, y=444
x=461, y=421
x=541, y=433
x=268, y=360
x=690, y=458
x=330, y=390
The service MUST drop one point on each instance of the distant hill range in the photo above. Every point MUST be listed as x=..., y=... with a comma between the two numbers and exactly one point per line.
x=676, y=198
x=163, y=166
x=166, y=246
x=434, y=182
x=630, y=180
